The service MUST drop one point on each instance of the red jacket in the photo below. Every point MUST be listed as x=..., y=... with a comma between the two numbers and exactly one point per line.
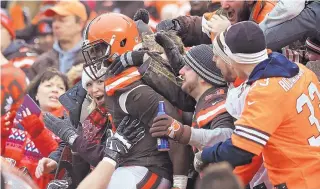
x=27, y=149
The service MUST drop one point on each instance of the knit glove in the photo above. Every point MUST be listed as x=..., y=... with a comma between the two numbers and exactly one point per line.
x=198, y=163
x=127, y=135
x=142, y=14
x=7, y=123
x=166, y=126
x=172, y=52
x=132, y=58
x=31, y=123
x=168, y=24
x=62, y=128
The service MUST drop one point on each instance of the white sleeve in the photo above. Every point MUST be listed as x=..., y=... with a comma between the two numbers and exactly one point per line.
x=283, y=11
x=201, y=138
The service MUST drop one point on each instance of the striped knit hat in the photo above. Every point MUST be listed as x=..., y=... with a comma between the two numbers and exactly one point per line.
x=199, y=58
x=243, y=42
x=313, y=45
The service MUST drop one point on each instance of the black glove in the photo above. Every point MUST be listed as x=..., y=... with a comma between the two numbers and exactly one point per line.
x=168, y=24
x=127, y=135
x=142, y=14
x=172, y=52
x=72, y=100
x=132, y=58
x=62, y=128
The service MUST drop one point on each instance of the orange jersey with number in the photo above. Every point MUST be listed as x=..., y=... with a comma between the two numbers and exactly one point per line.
x=281, y=120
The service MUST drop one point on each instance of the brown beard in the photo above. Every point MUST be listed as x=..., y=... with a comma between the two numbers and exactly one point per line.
x=244, y=13
x=191, y=87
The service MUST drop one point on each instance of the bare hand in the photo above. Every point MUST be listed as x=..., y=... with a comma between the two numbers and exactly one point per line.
x=45, y=166
x=217, y=24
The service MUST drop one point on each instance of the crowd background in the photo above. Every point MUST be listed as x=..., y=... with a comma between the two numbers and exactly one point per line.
x=48, y=51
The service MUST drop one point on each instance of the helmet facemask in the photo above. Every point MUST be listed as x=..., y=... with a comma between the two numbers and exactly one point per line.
x=96, y=54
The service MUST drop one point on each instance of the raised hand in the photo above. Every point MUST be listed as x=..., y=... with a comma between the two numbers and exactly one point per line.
x=7, y=123
x=127, y=135
x=198, y=163
x=168, y=24
x=216, y=24
x=166, y=126
x=45, y=166
x=62, y=128
x=142, y=14
x=31, y=123
x=132, y=58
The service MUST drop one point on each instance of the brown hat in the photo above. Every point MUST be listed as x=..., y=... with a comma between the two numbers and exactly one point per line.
x=68, y=8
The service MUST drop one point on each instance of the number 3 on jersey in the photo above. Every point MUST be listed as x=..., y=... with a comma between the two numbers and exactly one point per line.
x=307, y=100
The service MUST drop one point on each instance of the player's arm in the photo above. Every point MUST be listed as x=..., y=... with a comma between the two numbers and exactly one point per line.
x=100, y=176
x=142, y=103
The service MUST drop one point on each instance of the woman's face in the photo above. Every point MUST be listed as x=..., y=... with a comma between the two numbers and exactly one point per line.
x=96, y=91
x=49, y=92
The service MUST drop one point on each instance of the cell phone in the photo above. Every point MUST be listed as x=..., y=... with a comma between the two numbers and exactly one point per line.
x=29, y=103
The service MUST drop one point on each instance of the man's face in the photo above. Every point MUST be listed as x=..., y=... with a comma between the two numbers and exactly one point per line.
x=227, y=70
x=237, y=11
x=190, y=80
x=239, y=70
x=65, y=27
x=5, y=38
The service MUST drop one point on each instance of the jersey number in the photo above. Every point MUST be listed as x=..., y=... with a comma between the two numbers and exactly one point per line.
x=306, y=100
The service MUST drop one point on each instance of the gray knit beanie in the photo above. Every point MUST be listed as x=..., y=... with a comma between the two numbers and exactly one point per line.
x=199, y=58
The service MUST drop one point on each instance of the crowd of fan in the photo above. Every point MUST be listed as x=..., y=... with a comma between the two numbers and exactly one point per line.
x=98, y=76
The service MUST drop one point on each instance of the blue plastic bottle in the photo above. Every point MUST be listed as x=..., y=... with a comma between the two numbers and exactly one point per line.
x=163, y=143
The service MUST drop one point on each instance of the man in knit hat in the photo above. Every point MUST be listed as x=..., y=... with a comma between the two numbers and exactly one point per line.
x=283, y=97
x=313, y=54
x=211, y=122
x=253, y=174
